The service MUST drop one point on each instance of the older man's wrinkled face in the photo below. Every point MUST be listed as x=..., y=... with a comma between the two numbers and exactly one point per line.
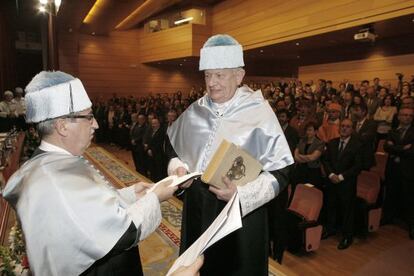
x=80, y=131
x=221, y=84
x=345, y=129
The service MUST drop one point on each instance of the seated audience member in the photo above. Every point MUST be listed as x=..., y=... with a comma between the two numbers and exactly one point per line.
x=400, y=170
x=307, y=156
x=347, y=103
x=384, y=115
x=20, y=106
x=7, y=112
x=342, y=165
x=365, y=131
x=330, y=127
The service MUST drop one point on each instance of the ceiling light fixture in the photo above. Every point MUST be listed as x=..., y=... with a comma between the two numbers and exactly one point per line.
x=183, y=20
x=50, y=6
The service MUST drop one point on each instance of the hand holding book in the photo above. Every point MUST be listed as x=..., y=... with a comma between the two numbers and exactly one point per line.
x=226, y=192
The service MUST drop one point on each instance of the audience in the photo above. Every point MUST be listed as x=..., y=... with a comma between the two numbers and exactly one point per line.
x=307, y=111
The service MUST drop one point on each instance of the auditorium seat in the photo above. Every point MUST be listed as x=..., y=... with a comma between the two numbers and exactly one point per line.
x=381, y=163
x=380, y=147
x=368, y=211
x=302, y=219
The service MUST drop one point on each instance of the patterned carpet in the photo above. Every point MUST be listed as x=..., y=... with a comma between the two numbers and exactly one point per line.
x=159, y=250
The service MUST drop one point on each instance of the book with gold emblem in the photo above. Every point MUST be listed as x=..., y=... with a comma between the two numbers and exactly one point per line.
x=234, y=162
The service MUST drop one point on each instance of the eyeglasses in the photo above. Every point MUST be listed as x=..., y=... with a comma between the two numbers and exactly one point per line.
x=89, y=116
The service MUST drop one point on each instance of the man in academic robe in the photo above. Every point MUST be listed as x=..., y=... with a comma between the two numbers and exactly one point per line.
x=74, y=221
x=342, y=165
x=330, y=126
x=245, y=118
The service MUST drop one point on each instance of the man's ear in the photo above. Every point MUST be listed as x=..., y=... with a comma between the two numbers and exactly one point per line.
x=61, y=128
x=240, y=75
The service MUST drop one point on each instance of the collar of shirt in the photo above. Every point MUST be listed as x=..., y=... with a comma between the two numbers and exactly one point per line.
x=220, y=108
x=45, y=146
x=344, y=140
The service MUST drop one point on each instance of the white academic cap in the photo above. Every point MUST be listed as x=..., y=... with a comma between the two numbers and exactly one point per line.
x=8, y=93
x=221, y=51
x=52, y=94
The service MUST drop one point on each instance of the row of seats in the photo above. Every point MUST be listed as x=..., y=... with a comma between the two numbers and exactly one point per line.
x=307, y=201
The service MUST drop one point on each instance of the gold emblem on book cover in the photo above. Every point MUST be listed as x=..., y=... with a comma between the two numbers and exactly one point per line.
x=237, y=170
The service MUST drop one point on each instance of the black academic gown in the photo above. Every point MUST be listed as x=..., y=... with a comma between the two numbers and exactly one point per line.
x=243, y=252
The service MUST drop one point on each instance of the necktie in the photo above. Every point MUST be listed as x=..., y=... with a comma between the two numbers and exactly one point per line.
x=358, y=127
x=341, y=147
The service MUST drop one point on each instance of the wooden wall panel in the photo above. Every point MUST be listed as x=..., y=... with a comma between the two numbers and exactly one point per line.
x=68, y=53
x=376, y=66
x=113, y=64
x=256, y=23
x=167, y=44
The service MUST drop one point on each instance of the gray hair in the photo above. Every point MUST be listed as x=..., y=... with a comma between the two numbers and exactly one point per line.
x=47, y=79
x=46, y=128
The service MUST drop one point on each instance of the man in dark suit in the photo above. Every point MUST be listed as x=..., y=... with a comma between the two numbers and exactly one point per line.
x=342, y=165
x=372, y=101
x=400, y=172
x=290, y=132
x=154, y=147
x=366, y=131
x=138, y=130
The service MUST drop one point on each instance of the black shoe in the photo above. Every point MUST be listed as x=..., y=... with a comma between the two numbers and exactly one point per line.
x=411, y=232
x=326, y=234
x=345, y=243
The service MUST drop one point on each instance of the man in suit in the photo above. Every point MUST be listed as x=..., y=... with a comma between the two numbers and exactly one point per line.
x=154, y=147
x=330, y=90
x=342, y=165
x=137, y=133
x=372, y=101
x=291, y=133
x=365, y=131
x=400, y=172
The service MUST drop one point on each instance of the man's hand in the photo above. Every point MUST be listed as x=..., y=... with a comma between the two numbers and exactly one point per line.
x=180, y=171
x=164, y=191
x=191, y=270
x=407, y=147
x=141, y=189
x=226, y=193
x=334, y=178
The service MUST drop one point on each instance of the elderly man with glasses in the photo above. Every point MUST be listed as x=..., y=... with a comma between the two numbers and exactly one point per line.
x=74, y=221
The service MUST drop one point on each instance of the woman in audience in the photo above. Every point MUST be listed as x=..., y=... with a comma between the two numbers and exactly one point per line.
x=384, y=115
x=307, y=156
